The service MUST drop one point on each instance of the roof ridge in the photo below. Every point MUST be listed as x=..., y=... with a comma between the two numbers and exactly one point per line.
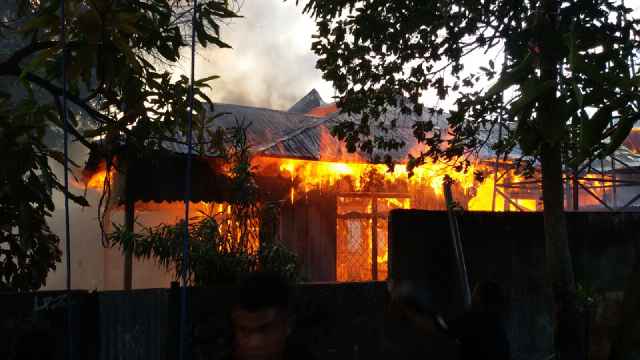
x=263, y=108
x=318, y=121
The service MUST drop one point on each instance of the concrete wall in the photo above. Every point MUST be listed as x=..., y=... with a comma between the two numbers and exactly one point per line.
x=509, y=248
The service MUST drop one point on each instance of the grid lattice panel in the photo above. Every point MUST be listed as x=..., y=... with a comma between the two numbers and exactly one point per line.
x=353, y=258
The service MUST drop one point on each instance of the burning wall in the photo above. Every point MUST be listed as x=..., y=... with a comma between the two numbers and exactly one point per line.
x=363, y=194
x=334, y=214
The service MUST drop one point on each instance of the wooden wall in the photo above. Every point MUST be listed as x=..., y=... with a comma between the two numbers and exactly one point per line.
x=308, y=227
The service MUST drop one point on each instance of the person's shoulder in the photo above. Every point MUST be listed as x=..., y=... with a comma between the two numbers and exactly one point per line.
x=299, y=352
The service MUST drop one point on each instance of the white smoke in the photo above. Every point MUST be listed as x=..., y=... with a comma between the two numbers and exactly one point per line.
x=87, y=262
x=271, y=64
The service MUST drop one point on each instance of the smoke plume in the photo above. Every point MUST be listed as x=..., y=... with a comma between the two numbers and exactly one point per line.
x=271, y=64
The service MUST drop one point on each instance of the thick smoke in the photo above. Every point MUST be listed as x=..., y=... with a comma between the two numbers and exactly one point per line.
x=87, y=258
x=92, y=265
x=271, y=64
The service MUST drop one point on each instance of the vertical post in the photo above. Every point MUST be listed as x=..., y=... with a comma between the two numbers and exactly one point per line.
x=374, y=238
x=460, y=265
x=495, y=184
x=575, y=192
x=173, y=344
x=567, y=191
x=308, y=247
x=129, y=220
x=507, y=192
x=65, y=122
x=614, y=180
x=497, y=169
x=602, y=186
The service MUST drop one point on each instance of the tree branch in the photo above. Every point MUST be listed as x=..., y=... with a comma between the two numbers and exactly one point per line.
x=9, y=66
x=57, y=91
x=72, y=129
x=14, y=61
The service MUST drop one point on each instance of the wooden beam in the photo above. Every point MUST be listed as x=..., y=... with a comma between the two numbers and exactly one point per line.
x=129, y=220
x=575, y=192
x=595, y=196
x=358, y=215
x=636, y=198
x=374, y=239
x=509, y=201
x=373, y=194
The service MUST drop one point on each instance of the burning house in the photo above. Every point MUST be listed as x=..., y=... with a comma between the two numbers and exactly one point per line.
x=332, y=206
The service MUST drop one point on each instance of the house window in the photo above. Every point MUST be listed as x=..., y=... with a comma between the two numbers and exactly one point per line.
x=362, y=237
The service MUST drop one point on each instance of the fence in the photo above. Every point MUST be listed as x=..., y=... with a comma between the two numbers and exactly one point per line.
x=133, y=325
x=338, y=321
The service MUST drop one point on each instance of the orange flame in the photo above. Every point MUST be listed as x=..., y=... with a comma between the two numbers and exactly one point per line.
x=323, y=175
x=369, y=191
x=95, y=180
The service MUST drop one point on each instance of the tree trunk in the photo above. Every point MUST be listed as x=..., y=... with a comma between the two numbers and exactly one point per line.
x=568, y=340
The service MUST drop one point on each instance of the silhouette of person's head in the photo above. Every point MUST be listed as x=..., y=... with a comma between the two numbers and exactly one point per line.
x=488, y=297
x=260, y=317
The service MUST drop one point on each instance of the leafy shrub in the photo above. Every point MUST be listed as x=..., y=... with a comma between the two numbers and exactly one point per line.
x=213, y=258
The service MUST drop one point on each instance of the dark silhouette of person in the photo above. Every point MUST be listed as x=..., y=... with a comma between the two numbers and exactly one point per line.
x=481, y=331
x=261, y=321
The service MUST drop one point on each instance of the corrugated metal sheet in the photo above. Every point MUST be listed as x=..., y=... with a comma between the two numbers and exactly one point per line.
x=265, y=126
x=285, y=134
x=162, y=178
x=307, y=103
x=295, y=135
x=133, y=325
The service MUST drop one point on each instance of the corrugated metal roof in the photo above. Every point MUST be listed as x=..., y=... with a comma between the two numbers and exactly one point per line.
x=310, y=101
x=265, y=126
x=294, y=135
x=285, y=134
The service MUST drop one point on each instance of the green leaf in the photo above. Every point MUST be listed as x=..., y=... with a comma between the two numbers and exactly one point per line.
x=42, y=56
x=126, y=22
x=591, y=130
x=82, y=63
x=527, y=134
x=531, y=90
x=59, y=157
x=205, y=80
x=90, y=24
x=78, y=199
x=510, y=78
x=44, y=21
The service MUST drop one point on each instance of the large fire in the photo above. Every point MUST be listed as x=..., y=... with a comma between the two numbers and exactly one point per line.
x=309, y=175
x=366, y=193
